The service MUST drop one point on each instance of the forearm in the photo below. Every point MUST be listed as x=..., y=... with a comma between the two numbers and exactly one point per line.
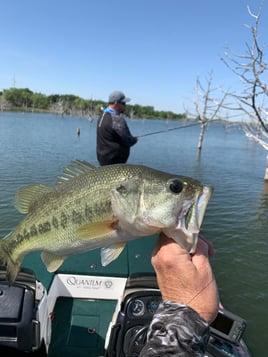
x=176, y=330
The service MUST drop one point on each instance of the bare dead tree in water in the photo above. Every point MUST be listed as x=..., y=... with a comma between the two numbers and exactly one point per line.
x=251, y=68
x=206, y=106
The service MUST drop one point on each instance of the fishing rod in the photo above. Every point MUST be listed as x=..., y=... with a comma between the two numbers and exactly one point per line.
x=163, y=131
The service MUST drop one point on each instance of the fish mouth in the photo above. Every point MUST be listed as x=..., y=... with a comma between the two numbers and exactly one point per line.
x=196, y=212
x=190, y=219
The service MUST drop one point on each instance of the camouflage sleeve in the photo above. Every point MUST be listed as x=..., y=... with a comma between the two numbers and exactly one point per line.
x=176, y=330
x=121, y=128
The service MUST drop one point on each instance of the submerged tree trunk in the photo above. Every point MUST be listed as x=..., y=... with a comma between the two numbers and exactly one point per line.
x=266, y=171
x=201, y=135
x=207, y=108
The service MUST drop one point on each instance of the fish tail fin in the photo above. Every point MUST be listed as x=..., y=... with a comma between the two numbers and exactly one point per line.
x=12, y=268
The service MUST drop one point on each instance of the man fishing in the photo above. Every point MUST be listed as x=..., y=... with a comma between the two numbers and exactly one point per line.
x=113, y=135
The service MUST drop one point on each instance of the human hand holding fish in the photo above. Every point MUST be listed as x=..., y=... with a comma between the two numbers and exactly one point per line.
x=103, y=207
x=185, y=278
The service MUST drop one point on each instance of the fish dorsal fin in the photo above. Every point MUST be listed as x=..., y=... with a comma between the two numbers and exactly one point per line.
x=27, y=195
x=52, y=261
x=109, y=254
x=97, y=229
x=75, y=168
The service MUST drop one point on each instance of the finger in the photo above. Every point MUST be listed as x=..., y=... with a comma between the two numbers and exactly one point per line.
x=168, y=252
x=200, y=258
x=164, y=242
x=211, y=250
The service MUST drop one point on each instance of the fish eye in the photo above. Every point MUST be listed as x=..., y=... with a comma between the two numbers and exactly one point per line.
x=176, y=186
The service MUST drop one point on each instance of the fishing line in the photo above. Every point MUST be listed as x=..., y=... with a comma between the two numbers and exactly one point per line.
x=164, y=131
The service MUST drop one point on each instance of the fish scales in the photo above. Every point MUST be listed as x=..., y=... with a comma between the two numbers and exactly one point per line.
x=59, y=211
x=103, y=207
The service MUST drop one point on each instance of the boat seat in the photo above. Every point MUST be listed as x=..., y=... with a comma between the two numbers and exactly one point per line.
x=18, y=327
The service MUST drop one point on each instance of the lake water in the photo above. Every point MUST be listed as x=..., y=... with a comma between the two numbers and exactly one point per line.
x=36, y=148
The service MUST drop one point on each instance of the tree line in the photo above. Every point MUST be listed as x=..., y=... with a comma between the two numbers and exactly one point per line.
x=26, y=100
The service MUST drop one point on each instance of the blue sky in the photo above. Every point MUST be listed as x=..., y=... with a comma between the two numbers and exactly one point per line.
x=153, y=50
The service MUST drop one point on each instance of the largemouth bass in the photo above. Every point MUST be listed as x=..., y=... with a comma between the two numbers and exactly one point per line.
x=92, y=207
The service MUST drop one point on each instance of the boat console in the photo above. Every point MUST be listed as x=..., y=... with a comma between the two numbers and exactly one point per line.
x=142, y=297
x=93, y=316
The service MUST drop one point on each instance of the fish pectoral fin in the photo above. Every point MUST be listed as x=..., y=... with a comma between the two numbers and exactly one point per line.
x=52, y=261
x=75, y=168
x=27, y=195
x=109, y=254
x=97, y=229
